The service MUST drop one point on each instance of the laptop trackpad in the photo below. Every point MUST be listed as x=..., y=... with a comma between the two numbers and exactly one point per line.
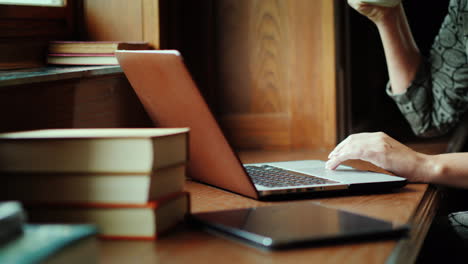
x=347, y=174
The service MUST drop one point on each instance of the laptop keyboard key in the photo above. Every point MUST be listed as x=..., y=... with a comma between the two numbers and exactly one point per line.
x=270, y=176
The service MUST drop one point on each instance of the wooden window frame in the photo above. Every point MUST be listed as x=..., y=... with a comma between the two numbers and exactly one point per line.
x=26, y=31
x=37, y=22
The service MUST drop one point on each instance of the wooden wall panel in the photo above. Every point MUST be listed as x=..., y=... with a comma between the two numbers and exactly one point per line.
x=313, y=74
x=121, y=20
x=113, y=19
x=267, y=68
x=151, y=22
x=76, y=103
x=276, y=62
x=248, y=130
x=107, y=102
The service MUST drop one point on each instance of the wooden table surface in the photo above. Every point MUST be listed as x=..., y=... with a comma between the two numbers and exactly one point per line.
x=415, y=204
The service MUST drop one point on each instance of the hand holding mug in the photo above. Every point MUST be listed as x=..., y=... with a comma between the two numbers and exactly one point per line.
x=375, y=10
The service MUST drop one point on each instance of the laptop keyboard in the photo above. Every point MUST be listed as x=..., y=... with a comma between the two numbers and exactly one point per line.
x=270, y=176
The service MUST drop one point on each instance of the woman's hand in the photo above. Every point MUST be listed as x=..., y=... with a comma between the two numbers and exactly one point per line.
x=374, y=12
x=382, y=151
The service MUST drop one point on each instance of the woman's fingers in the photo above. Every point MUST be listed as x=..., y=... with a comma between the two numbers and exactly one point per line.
x=350, y=148
x=338, y=147
x=334, y=162
x=371, y=147
x=379, y=149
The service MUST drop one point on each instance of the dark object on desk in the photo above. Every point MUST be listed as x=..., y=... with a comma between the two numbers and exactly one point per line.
x=12, y=218
x=297, y=224
x=52, y=244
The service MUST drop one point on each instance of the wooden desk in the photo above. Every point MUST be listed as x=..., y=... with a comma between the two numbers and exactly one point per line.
x=415, y=204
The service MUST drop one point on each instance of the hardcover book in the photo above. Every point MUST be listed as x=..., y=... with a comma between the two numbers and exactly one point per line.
x=82, y=59
x=107, y=150
x=87, y=47
x=119, y=221
x=114, y=188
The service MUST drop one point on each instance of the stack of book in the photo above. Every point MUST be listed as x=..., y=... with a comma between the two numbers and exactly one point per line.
x=129, y=182
x=89, y=52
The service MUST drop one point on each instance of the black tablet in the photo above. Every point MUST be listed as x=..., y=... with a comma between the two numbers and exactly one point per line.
x=297, y=224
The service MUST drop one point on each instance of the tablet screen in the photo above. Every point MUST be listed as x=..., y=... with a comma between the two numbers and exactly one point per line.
x=293, y=224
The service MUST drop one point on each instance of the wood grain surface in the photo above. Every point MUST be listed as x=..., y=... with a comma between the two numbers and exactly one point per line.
x=276, y=61
x=122, y=20
x=415, y=204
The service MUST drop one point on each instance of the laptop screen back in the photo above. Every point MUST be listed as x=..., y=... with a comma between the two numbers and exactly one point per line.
x=171, y=99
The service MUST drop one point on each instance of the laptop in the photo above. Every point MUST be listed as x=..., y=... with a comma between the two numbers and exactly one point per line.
x=166, y=90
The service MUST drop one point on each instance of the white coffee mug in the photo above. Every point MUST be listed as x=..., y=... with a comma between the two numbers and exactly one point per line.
x=386, y=3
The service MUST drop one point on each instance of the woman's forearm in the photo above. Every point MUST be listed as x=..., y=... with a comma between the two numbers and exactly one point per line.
x=387, y=153
x=401, y=51
x=447, y=169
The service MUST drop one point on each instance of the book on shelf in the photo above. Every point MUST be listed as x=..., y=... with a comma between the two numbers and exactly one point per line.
x=145, y=221
x=93, y=150
x=114, y=188
x=82, y=59
x=52, y=243
x=12, y=219
x=90, y=47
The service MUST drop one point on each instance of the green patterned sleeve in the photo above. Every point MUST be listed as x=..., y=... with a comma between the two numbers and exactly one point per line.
x=438, y=96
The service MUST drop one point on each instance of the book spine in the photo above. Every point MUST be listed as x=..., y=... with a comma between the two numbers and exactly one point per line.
x=81, y=54
x=146, y=238
x=154, y=204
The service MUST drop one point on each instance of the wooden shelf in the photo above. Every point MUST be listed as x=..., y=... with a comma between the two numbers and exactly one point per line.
x=53, y=73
